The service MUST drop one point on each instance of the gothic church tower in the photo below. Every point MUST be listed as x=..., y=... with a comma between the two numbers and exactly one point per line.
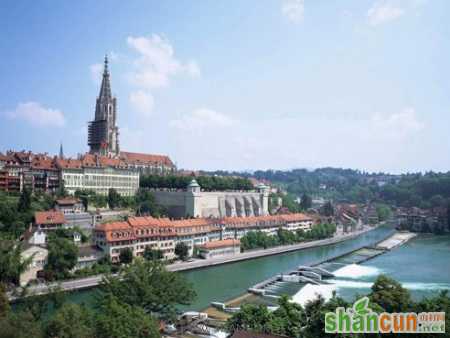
x=103, y=134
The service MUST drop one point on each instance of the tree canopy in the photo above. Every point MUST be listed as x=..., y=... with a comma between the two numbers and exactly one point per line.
x=149, y=285
x=208, y=183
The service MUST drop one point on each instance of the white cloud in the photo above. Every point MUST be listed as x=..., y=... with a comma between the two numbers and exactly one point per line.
x=384, y=11
x=157, y=63
x=96, y=72
x=402, y=123
x=200, y=119
x=142, y=102
x=37, y=115
x=374, y=142
x=294, y=10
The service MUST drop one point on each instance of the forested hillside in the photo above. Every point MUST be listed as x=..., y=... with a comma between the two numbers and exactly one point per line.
x=421, y=190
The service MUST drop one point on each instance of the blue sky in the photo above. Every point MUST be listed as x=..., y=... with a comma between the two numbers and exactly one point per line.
x=235, y=84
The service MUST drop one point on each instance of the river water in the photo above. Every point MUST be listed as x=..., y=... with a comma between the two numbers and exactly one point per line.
x=422, y=265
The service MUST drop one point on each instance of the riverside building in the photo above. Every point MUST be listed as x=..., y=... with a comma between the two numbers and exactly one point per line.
x=139, y=233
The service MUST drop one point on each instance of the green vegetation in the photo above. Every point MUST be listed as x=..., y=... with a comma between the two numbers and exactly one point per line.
x=305, y=202
x=11, y=264
x=114, y=199
x=293, y=320
x=150, y=254
x=126, y=256
x=146, y=205
x=181, y=250
x=128, y=305
x=62, y=257
x=150, y=286
x=259, y=239
x=208, y=183
x=383, y=212
x=143, y=202
x=419, y=190
x=17, y=211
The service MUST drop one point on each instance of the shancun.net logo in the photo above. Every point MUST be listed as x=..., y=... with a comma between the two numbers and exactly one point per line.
x=361, y=319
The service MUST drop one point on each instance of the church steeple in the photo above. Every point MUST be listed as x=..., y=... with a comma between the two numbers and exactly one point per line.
x=103, y=134
x=61, y=152
x=105, y=89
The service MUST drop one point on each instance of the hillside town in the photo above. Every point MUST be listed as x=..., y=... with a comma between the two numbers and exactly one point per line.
x=194, y=223
x=82, y=218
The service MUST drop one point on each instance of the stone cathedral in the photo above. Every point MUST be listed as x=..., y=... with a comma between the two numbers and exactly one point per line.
x=103, y=134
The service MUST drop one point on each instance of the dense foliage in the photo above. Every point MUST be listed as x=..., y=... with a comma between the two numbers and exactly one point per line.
x=208, y=183
x=260, y=239
x=149, y=285
x=11, y=263
x=293, y=320
x=62, y=257
x=182, y=250
x=420, y=190
x=128, y=305
x=17, y=211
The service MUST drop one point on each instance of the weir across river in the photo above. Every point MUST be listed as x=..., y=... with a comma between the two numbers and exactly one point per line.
x=320, y=272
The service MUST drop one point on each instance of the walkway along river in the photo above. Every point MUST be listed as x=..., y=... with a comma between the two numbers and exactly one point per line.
x=220, y=283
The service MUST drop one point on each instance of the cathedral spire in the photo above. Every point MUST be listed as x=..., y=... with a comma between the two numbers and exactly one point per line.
x=105, y=89
x=103, y=134
x=61, y=152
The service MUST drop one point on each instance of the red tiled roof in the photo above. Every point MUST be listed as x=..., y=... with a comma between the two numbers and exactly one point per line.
x=191, y=222
x=49, y=217
x=116, y=231
x=220, y=244
x=67, y=201
x=113, y=226
x=295, y=217
x=167, y=227
x=139, y=158
x=43, y=162
x=68, y=163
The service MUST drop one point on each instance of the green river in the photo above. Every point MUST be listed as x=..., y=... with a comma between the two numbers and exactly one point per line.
x=423, y=264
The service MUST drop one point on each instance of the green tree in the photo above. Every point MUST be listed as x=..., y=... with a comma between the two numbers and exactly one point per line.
x=113, y=198
x=383, y=212
x=62, y=256
x=181, y=250
x=289, y=319
x=149, y=285
x=24, y=201
x=4, y=302
x=288, y=202
x=20, y=324
x=71, y=321
x=250, y=317
x=121, y=320
x=146, y=204
x=126, y=256
x=11, y=263
x=390, y=295
x=151, y=254
x=305, y=202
